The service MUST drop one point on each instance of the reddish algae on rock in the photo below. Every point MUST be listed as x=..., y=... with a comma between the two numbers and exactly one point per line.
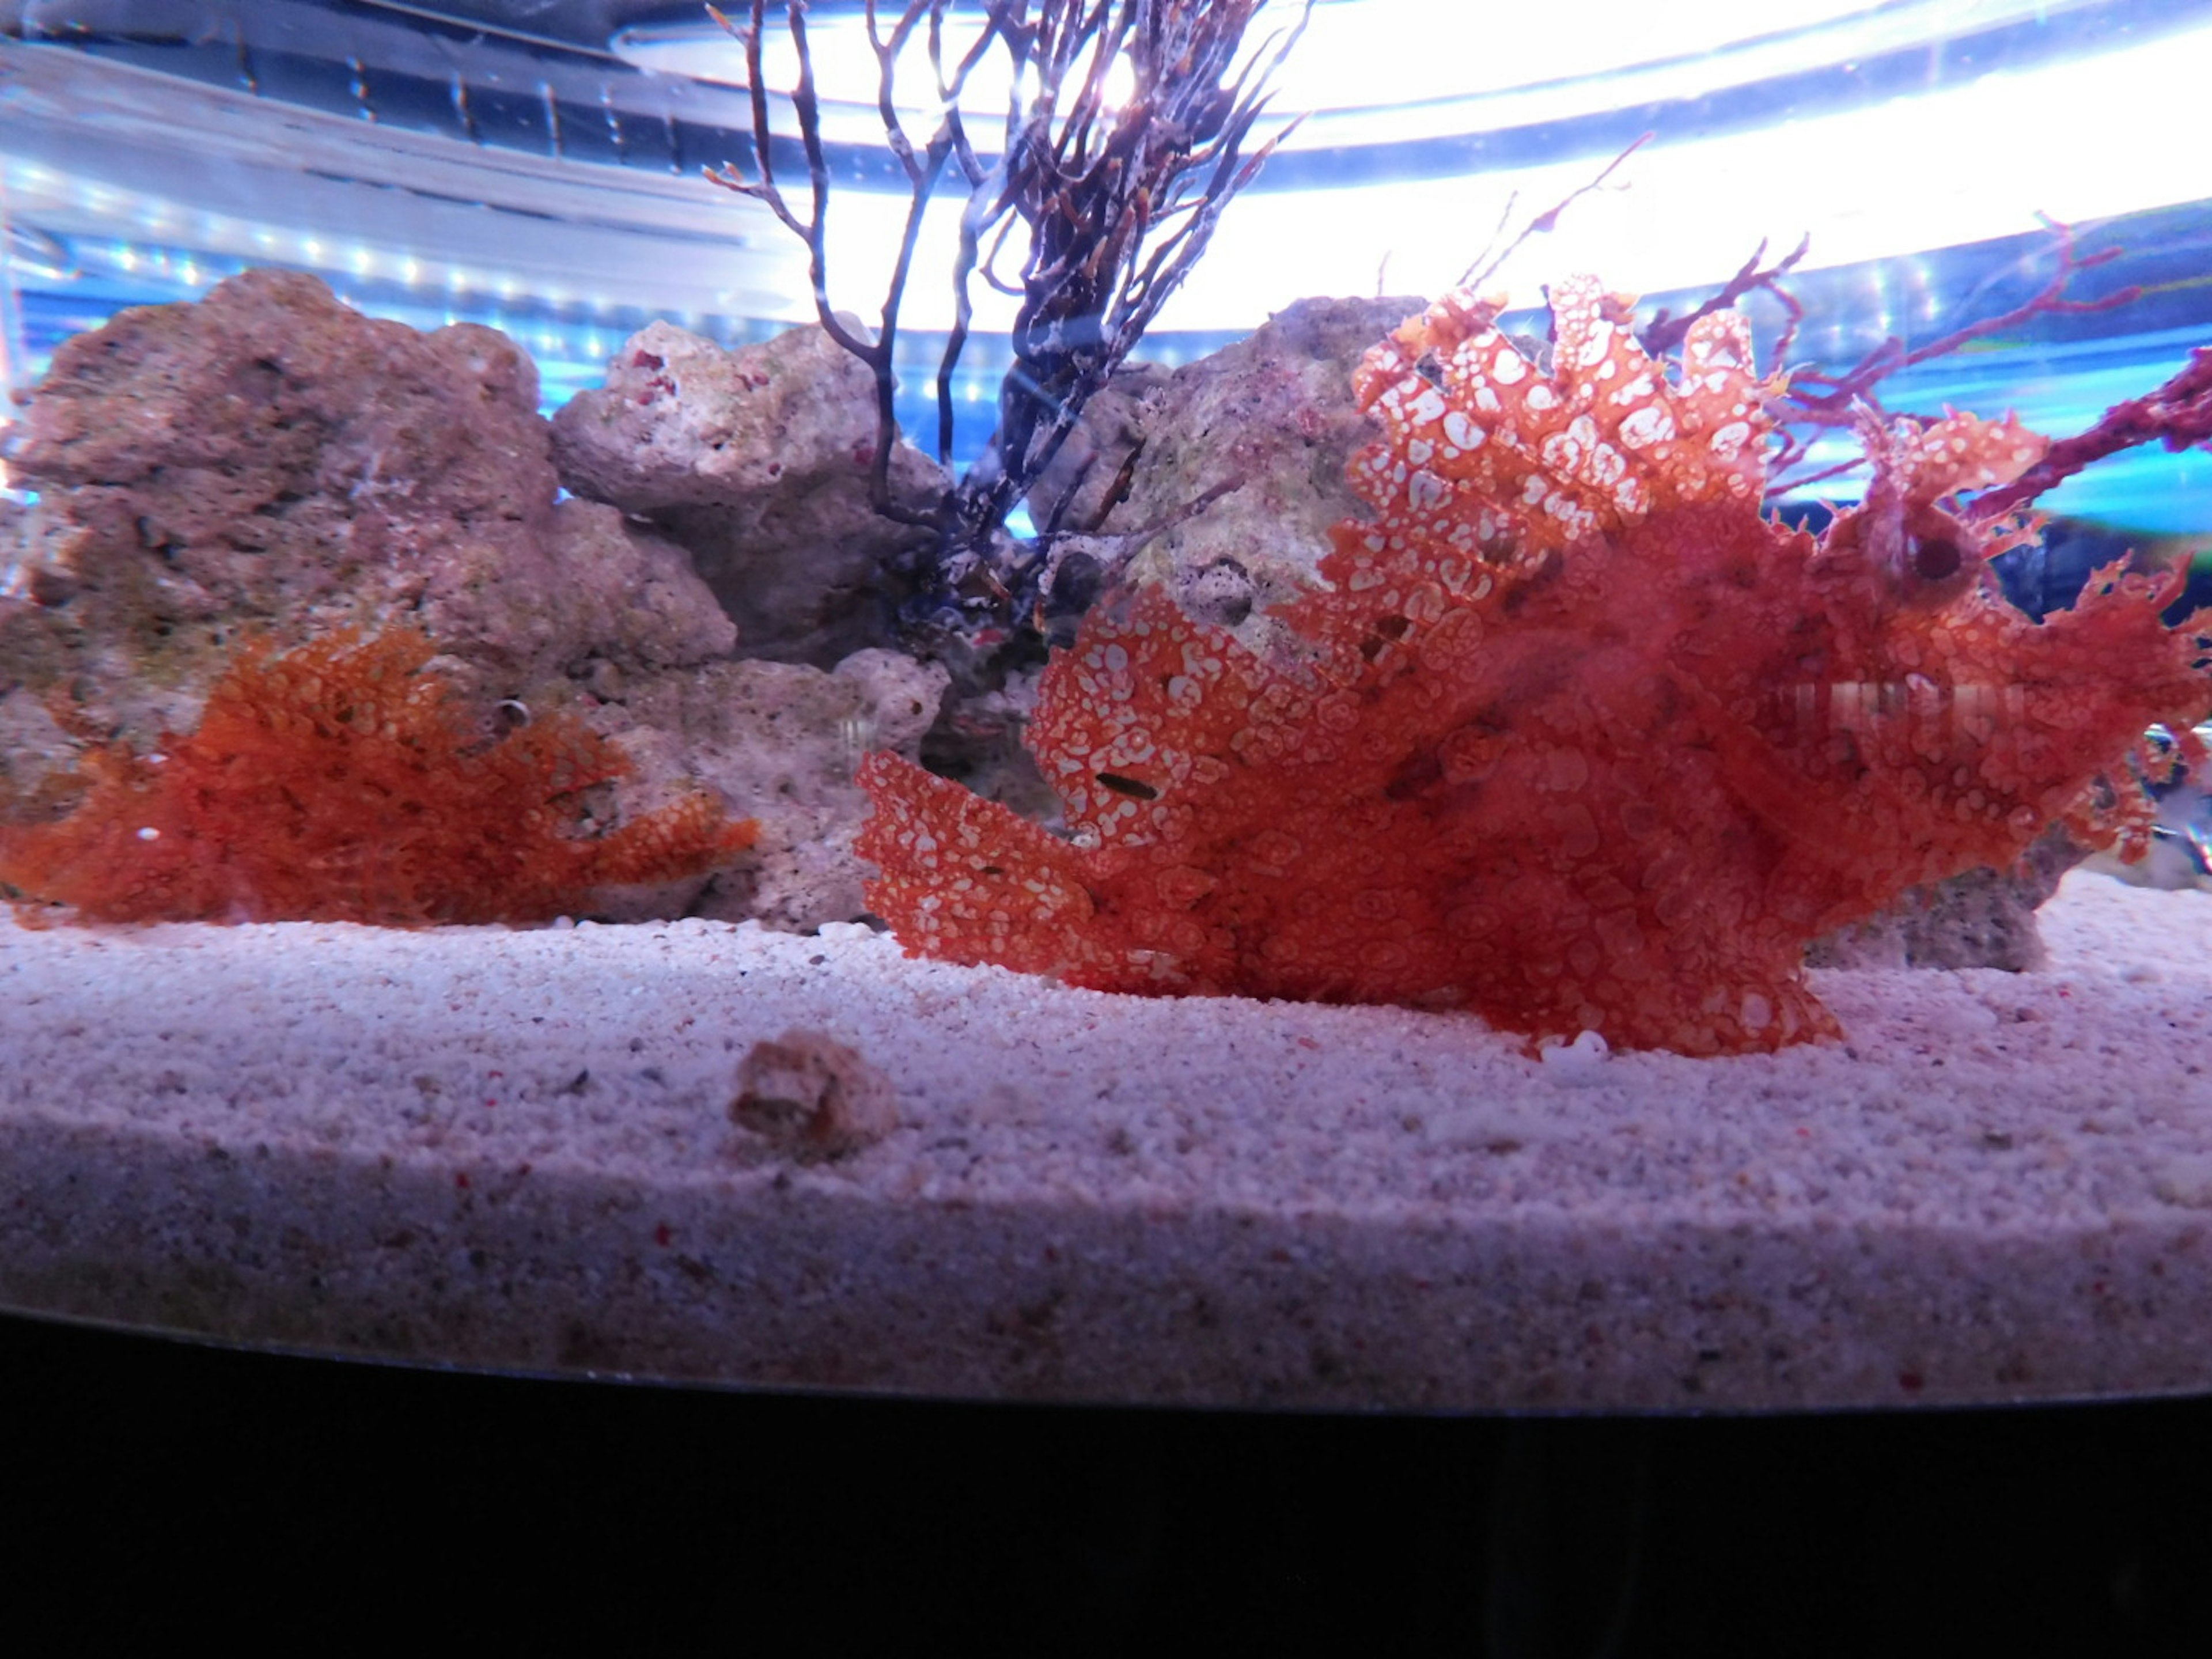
x=1575, y=736
x=337, y=782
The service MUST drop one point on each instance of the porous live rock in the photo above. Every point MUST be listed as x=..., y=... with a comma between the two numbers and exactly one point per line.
x=1096, y=464
x=1273, y=414
x=812, y=1097
x=1268, y=426
x=757, y=461
x=1980, y=919
x=268, y=458
x=779, y=742
x=36, y=753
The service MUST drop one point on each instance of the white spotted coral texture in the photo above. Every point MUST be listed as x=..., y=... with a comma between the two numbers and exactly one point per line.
x=1574, y=736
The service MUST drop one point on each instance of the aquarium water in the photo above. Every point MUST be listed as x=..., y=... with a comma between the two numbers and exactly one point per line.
x=731, y=1131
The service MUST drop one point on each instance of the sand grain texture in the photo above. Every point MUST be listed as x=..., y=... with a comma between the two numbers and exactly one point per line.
x=512, y=1149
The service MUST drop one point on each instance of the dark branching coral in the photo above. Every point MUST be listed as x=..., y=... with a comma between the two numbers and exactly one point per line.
x=1090, y=209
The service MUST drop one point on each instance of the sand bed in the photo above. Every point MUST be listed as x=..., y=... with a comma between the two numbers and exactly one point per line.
x=513, y=1148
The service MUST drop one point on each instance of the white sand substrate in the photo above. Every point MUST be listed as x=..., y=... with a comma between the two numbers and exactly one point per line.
x=513, y=1149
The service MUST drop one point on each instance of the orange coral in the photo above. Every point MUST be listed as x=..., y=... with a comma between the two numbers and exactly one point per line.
x=338, y=783
x=1575, y=736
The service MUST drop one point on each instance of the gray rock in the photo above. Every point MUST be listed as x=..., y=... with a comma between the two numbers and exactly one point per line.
x=1978, y=919
x=779, y=741
x=1098, y=464
x=267, y=460
x=1267, y=426
x=1271, y=415
x=756, y=460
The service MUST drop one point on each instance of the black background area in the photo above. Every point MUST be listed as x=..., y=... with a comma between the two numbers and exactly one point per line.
x=166, y=1484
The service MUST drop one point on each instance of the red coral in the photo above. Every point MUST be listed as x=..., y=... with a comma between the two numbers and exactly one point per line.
x=338, y=783
x=1575, y=736
x=2177, y=414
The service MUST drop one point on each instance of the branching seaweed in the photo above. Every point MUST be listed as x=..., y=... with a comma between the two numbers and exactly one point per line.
x=1128, y=128
x=1814, y=400
x=1818, y=400
x=1665, y=332
x=2178, y=414
x=341, y=782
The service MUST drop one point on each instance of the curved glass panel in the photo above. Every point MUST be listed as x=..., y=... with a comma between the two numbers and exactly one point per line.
x=453, y=791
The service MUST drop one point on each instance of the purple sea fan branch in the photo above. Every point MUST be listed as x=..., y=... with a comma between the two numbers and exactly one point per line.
x=1664, y=333
x=1827, y=399
x=2177, y=414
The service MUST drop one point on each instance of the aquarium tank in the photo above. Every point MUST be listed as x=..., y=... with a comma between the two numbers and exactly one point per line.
x=1400, y=704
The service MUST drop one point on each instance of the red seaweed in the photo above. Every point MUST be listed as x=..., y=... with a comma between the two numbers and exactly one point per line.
x=1575, y=736
x=339, y=782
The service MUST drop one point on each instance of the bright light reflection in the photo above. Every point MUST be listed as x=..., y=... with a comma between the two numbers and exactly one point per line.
x=1939, y=170
x=1119, y=85
x=1480, y=68
x=846, y=69
x=1376, y=70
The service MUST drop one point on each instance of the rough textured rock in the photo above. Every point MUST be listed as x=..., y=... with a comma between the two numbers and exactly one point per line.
x=268, y=460
x=1982, y=918
x=1274, y=414
x=1271, y=415
x=1098, y=464
x=757, y=461
x=779, y=741
x=812, y=1097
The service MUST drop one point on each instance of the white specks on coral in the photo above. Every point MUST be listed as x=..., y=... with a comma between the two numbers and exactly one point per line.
x=1730, y=438
x=1649, y=425
x=1594, y=346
